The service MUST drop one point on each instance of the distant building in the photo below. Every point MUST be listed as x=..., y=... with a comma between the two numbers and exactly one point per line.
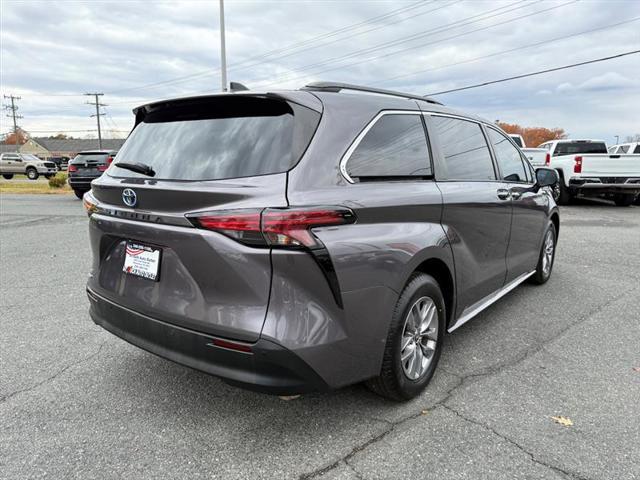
x=50, y=147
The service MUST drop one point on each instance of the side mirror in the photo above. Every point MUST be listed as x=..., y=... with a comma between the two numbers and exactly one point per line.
x=546, y=177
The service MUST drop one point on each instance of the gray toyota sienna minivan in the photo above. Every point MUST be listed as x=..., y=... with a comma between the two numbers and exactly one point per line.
x=304, y=240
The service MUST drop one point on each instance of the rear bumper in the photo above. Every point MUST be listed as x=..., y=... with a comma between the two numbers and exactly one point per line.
x=269, y=368
x=596, y=188
x=81, y=183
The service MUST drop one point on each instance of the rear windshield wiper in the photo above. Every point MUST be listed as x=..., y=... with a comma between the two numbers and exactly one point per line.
x=138, y=168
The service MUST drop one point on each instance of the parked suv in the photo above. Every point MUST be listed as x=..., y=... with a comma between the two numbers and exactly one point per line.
x=305, y=240
x=86, y=167
x=25, y=164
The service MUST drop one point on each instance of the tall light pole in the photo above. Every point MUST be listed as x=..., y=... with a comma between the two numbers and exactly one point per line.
x=223, y=52
x=617, y=139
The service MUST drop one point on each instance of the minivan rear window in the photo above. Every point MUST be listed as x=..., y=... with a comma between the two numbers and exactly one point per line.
x=219, y=138
x=569, y=148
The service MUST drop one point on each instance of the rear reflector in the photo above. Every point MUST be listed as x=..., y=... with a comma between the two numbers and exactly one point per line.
x=547, y=159
x=72, y=168
x=103, y=168
x=278, y=227
x=577, y=166
x=238, y=347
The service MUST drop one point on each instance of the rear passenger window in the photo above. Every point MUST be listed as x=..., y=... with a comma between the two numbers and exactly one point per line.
x=637, y=150
x=508, y=157
x=465, y=150
x=623, y=149
x=396, y=146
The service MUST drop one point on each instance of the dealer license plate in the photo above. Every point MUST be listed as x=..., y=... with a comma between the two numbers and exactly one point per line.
x=142, y=261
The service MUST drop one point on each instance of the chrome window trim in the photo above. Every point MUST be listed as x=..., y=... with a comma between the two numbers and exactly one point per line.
x=361, y=135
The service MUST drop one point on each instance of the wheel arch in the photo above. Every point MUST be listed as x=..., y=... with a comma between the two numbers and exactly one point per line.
x=441, y=272
x=555, y=219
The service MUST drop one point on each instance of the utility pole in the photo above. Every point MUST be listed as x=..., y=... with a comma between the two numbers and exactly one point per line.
x=223, y=50
x=617, y=139
x=14, y=108
x=98, y=114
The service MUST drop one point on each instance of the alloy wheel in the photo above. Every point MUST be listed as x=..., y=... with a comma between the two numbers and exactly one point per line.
x=547, y=253
x=419, y=338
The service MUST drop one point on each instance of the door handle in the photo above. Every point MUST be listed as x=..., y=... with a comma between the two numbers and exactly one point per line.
x=515, y=194
x=503, y=194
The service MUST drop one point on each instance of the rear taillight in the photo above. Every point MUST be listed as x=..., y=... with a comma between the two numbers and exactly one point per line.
x=292, y=228
x=72, y=168
x=109, y=160
x=577, y=166
x=547, y=159
x=286, y=227
x=89, y=203
x=102, y=168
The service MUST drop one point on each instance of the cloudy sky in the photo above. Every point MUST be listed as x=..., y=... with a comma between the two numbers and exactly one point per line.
x=134, y=52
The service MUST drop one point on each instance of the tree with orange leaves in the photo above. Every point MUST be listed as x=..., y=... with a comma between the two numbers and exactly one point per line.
x=534, y=136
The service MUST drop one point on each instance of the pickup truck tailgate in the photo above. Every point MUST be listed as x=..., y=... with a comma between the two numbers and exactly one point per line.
x=610, y=165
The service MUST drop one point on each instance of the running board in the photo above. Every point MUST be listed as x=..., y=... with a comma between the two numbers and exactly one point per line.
x=479, y=306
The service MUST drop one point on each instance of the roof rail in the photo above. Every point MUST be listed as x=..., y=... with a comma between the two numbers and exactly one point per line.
x=337, y=86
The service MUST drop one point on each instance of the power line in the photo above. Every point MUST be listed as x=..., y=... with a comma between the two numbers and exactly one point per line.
x=98, y=114
x=277, y=52
x=502, y=52
x=540, y=72
x=13, y=108
x=385, y=45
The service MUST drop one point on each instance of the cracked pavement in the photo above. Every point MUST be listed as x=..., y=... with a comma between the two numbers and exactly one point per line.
x=76, y=402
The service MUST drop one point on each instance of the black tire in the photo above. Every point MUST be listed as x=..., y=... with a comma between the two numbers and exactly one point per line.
x=392, y=382
x=637, y=200
x=565, y=197
x=624, y=199
x=79, y=193
x=7, y=176
x=542, y=275
x=32, y=173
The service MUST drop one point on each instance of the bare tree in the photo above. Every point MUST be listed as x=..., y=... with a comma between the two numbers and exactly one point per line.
x=633, y=138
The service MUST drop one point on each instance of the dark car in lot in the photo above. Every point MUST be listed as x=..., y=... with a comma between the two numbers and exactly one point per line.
x=61, y=162
x=304, y=240
x=86, y=167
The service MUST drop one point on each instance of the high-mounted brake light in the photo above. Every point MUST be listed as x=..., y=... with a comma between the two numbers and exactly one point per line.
x=72, y=168
x=577, y=166
x=277, y=227
x=547, y=159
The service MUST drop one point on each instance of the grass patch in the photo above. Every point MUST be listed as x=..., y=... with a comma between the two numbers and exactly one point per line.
x=20, y=184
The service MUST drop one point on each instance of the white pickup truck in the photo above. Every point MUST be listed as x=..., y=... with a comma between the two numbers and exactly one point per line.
x=630, y=147
x=536, y=156
x=586, y=168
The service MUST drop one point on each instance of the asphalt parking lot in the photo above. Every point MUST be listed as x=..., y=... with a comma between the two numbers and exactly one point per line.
x=77, y=402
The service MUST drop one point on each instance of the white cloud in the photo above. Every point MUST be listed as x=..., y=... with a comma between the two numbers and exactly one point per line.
x=117, y=47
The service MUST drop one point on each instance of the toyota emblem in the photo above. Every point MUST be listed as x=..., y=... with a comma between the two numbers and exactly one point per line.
x=129, y=197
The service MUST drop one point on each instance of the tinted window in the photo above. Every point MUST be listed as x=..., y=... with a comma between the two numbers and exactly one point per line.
x=465, y=149
x=508, y=157
x=623, y=149
x=396, y=146
x=10, y=157
x=570, y=148
x=637, y=150
x=220, y=137
x=517, y=140
x=91, y=157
